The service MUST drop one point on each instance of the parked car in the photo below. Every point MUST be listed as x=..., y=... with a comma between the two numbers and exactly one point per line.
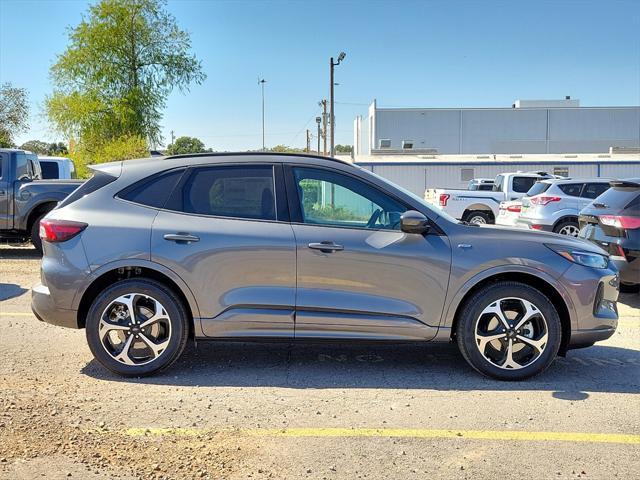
x=482, y=207
x=508, y=213
x=24, y=198
x=612, y=221
x=485, y=184
x=150, y=253
x=56, y=167
x=554, y=205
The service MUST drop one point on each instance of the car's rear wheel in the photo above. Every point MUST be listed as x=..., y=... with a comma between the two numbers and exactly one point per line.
x=509, y=331
x=36, y=241
x=567, y=227
x=137, y=327
x=478, y=218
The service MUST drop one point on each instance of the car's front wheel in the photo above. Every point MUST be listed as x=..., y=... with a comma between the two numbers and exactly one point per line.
x=509, y=331
x=137, y=327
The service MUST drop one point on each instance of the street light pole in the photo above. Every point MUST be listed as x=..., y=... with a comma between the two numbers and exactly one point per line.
x=332, y=118
x=261, y=82
x=318, y=120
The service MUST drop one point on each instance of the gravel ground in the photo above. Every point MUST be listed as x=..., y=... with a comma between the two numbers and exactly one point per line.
x=233, y=410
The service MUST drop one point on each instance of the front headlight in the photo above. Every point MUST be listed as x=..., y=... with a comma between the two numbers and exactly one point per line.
x=588, y=259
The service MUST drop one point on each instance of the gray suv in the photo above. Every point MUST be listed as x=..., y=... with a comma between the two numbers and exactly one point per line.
x=151, y=253
x=554, y=205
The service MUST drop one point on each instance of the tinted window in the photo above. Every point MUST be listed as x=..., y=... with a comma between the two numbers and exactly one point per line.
x=154, y=191
x=238, y=191
x=571, y=189
x=49, y=169
x=523, y=184
x=485, y=187
x=593, y=190
x=99, y=180
x=22, y=167
x=330, y=198
x=538, y=188
x=619, y=198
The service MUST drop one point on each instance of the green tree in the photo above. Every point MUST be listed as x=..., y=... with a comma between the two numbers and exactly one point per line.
x=123, y=60
x=344, y=148
x=184, y=145
x=14, y=113
x=285, y=149
x=45, y=148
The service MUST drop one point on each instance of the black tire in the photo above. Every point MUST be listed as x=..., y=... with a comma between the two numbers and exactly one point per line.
x=478, y=217
x=567, y=224
x=630, y=287
x=178, y=319
x=35, y=233
x=470, y=315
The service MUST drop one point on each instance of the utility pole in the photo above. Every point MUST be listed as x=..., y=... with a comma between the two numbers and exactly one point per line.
x=173, y=137
x=323, y=104
x=308, y=141
x=318, y=120
x=332, y=116
x=261, y=82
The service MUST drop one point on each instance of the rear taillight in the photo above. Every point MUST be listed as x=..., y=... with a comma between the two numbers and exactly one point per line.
x=444, y=197
x=620, y=221
x=514, y=208
x=544, y=200
x=536, y=227
x=60, y=230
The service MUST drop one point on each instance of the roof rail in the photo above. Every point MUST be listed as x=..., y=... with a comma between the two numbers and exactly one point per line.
x=235, y=154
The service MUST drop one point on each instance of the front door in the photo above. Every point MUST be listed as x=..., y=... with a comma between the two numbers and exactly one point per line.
x=223, y=233
x=358, y=275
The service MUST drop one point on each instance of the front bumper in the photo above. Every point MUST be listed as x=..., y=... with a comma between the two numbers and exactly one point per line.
x=46, y=310
x=594, y=295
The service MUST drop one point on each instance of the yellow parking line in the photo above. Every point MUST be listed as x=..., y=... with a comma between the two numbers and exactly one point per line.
x=504, y=435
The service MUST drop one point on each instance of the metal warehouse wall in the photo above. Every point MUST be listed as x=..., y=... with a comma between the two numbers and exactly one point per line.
x=506, y=131
x=417, y=178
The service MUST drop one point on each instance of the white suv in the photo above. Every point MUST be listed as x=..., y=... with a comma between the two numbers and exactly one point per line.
x=553, y=205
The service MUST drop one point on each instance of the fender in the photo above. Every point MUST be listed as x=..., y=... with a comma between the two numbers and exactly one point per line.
x=24, y=208
x=457, y=297
x=137, y=262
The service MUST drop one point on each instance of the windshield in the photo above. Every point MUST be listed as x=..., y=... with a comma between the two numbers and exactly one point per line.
x=436, y=213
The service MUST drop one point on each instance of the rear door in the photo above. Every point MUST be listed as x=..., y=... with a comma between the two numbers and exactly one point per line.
x=358, y=275
x=225, y=232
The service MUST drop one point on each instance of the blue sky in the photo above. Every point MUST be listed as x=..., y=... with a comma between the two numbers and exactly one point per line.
x=403, y=53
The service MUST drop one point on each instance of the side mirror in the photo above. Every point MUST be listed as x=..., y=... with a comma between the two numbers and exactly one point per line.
x=414, y=222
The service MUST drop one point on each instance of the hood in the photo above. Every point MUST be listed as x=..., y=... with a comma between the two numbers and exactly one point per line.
x=507, y=233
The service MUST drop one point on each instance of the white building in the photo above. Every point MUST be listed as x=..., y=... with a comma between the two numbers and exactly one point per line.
x=421, y=148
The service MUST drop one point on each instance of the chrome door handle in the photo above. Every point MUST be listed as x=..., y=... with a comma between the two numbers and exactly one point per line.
x=181, y=237
x=326, y=247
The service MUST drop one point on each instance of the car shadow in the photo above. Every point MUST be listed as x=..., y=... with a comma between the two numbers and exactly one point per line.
x=11, y=290
x=19, y=253
x=630, y=299
x=405, y=366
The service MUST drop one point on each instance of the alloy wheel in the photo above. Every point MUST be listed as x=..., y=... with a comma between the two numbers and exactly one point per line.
x=511, y=333
x=135, y=329
x=477, y=220
x=570, y=230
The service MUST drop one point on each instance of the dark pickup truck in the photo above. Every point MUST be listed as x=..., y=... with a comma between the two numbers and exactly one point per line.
x=25, y=198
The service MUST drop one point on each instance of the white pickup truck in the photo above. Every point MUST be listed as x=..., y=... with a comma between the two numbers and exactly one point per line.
x=476, y=206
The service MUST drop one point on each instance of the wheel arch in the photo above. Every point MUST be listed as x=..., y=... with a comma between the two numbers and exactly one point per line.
x=479, y=207
x=536, y=280
x=41, y=208
x=565, y=218
x=121, y=270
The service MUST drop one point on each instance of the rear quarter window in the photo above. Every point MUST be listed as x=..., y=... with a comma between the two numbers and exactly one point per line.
x=153, y=191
